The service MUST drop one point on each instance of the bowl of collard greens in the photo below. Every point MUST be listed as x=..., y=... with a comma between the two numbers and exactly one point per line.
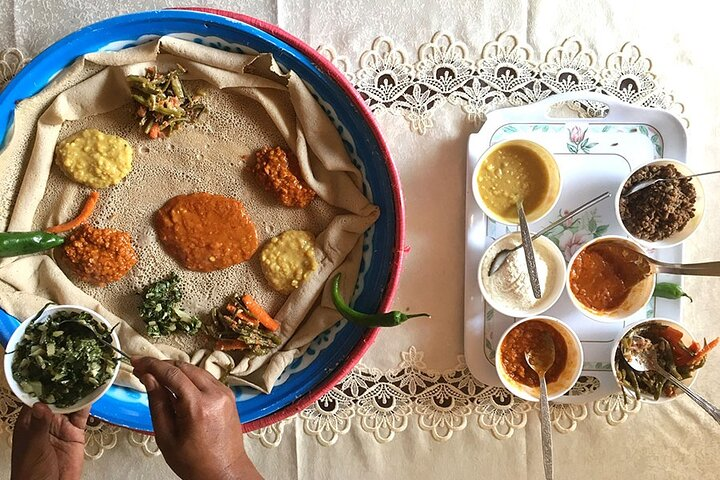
x=63, y=358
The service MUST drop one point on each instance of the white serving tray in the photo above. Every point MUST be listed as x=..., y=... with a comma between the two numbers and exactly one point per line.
x=595, y=155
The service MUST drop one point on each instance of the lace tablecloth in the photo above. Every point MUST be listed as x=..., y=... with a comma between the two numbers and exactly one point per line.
x=412, y=409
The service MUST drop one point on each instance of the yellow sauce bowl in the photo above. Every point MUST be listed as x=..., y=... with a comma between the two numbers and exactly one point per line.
x=548, y=198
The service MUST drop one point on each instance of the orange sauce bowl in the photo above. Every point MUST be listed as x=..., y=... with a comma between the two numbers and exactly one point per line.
x=509, y=360
x=636, y=297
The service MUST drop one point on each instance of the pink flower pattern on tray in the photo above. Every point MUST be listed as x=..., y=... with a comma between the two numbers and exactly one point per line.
x=570, y=235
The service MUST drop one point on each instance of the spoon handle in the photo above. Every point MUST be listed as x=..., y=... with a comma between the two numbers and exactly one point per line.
x=701, y=174
x=546, y=430
x=707, y=269
x=707, y=406
x=649, y=183
x=568, y=215
x=529, y=252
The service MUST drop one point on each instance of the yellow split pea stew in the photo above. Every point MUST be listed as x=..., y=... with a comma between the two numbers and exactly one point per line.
x=517, y=170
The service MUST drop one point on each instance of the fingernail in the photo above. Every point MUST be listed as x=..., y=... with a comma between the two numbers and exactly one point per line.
x=149, y=382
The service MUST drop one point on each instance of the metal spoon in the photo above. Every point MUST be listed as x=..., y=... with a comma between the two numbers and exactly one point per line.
x=647, y=183
x=705, y=269
x=529, y=252
x=502, y=255
x=541, y=359
x=97, y=336
x=644, y=360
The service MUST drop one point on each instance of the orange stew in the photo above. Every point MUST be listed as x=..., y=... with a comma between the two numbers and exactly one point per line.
x=602, y=275
x=100, y=255
x=206, y=232
x=527, y=336
x=280, y=172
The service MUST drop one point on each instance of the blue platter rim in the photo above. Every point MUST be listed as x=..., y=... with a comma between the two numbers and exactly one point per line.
x=114, y=406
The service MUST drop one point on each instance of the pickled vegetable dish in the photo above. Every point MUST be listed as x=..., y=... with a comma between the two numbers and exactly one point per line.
x=59, y=361
x=680, y=360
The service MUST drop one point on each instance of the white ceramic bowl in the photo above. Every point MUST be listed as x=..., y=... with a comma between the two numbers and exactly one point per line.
x=556, y=275
x=687, y=340
x=567, y=378
x=541, y=151
x=637, y=299
x=681, y=235
x=30, y=400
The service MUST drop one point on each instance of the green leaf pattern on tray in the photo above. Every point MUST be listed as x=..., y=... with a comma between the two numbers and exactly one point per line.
x=595, y=366
x=570, y=235
x=575, y=136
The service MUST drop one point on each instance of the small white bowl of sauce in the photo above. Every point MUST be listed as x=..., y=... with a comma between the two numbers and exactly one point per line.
x=515, y=373
x=513, y=170
x=508, y=290
x=608, y=281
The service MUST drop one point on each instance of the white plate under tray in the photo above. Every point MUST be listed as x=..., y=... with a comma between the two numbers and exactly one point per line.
x=594, y=155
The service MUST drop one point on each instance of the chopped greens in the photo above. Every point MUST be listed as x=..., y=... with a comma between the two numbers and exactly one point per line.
x=60, y=361
x=242, y=330
x=164, y=104
x=161, y=309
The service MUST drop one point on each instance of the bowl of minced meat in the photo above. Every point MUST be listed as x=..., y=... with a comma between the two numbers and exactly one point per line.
x=508, y=290
x=666, y=213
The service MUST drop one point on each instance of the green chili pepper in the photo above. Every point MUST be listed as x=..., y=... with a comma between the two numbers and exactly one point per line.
x=13, y=244
x=389, y=319
x=669, y=290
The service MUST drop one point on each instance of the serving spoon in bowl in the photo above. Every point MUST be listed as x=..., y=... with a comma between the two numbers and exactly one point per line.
x=502, y=255
x=645, y=359
x=653, y=181
x=540, y=359
x=705, y=269
x=125, y=357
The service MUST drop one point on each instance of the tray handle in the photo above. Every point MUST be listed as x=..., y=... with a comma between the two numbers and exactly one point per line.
x=617, y=109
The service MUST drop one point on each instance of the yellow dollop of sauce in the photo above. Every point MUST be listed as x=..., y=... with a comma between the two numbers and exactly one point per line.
x=288, y=260
x=94, y=158
x=517, y=170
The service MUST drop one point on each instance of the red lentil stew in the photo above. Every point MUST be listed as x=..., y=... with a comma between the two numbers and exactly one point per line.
x=526, y=336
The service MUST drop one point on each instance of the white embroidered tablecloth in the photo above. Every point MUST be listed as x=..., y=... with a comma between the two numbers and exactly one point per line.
x=411, y=409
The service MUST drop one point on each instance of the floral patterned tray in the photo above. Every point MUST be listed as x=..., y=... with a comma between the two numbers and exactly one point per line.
x=595, y=155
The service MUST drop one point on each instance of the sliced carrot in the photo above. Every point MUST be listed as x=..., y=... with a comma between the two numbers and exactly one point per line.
x=682, y=358
x=697, y=357
x=672, y=335
x=247, y=318
x=239, y=314
x=82, y=217
x=258, y=312
x=154, y=131
x=704, y=351
x=225, y=345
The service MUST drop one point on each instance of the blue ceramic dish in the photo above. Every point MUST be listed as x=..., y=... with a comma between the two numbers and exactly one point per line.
x=331, y=350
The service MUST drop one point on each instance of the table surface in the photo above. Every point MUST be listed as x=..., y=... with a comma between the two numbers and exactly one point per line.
x=674, y=440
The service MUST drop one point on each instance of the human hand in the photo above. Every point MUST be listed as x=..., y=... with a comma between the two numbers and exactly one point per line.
x=48, y=446
x=196, y=422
